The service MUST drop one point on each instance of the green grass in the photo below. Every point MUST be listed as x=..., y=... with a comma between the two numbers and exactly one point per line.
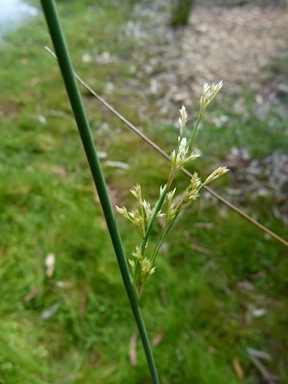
x=48, y=205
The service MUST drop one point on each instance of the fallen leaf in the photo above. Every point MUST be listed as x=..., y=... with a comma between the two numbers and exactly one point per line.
x=238, y=369
x=260, y=354
x=245, y=286
x=254, y=356
x=259, y=312
x=59, y=171
x=199, y=249
x=50, y=262
x=117, y=164
x=164, y=296
x=34, y=291
x=132, y=349
x=158, y=338
x=83, y=300
x=49, y=312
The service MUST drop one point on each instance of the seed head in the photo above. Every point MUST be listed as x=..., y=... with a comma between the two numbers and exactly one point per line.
x=137, y=253
x=146, y=267
x=123, y=211
x=137, y=192
x=134, y=216
x=182, y=119
x=162, y=189
x=215, y=174
x=180, y=156
x=208, y=93
x=195, y=181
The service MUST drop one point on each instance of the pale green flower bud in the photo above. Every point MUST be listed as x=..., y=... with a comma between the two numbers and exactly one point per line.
x=137, y=192
x=134, y=216
x=171, y=212
x=208, y=94
x=147, y=209
x=183, y=150
x=137, y=253
x=182, y=119
x=123, y=211
x=172, y=158
x=192, y=157
x=162, y=189
x=180, y=157
x=192, y=195
x=169, y=197
x=215, y=174
x=189, y=195
x=195, y=181
x=146, y=266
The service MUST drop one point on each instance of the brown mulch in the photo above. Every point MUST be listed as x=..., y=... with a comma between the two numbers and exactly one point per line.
x=235, y=44
x=222, y=41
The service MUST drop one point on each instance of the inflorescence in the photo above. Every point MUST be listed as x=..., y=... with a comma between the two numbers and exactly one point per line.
x=142, y=263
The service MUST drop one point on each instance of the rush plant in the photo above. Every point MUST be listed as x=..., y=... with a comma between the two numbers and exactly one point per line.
x=142, y=264
x=143, y=216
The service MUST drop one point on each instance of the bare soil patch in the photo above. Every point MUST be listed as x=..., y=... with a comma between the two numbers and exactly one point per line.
x=222, y=41
x=235, y=44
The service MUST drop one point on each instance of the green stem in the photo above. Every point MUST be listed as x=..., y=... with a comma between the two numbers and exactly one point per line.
x=158, y=206
x=153, y=217
x=194, y=130
x=62, y=53
x=162, y=238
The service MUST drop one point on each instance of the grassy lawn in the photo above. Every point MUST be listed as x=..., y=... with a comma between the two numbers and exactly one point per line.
x=221, y=284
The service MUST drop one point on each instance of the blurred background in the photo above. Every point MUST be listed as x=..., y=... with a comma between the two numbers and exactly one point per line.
x=216, y=308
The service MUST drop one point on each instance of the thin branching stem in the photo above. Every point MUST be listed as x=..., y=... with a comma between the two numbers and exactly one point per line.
x=151, y=221
x=194, y=130
x=162, y=238
x=65, y=65
x=148, y=230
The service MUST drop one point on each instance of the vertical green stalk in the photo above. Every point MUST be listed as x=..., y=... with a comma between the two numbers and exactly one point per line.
x=194, y=130
x=151, y=221
x=66, y=68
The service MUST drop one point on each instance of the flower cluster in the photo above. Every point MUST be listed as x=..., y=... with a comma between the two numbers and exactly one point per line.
x=191, y=192
x=215, y=174
x=183, y=119
x=145, y=269
x=208, y=94
x=140, y=216
x=144, y=215
x=179, y=157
